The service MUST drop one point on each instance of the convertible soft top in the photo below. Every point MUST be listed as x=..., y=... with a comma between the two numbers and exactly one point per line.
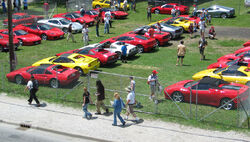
x=214, y=82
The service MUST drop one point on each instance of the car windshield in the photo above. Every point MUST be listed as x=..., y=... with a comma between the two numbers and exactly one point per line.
x=16, y=17
x=52, y=59
x=232, y=87
x=231, y=62
x=45, y=27
x=141, y=37
x=30, y=69
x=76, y=15
x=20, y=32
x=189, y=84
x=219, y=70
x=64, y=21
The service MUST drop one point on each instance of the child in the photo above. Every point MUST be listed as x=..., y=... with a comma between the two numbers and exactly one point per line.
x=211, y=33
x=86, y=101
x=118, y=105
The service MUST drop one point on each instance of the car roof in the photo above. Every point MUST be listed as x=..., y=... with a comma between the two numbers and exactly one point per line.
x=233, y=67
x=44, y=66
x=213, y=81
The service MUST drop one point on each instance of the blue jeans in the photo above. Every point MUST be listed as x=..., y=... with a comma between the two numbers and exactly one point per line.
x=119, y=116
x=85, y=110
x=106, y=28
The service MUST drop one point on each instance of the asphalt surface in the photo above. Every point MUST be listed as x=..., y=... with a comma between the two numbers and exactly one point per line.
x=232, y=32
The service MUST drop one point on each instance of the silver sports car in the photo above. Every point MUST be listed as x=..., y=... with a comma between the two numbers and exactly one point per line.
x=62, y=24
x=219, y=11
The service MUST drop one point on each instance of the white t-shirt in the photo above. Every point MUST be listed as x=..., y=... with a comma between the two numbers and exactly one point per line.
x=202, y=25
x=30, y=84
x=85, y=31
x=131, y=98
x=132, y=84
x=106, y=20
x=152, y=79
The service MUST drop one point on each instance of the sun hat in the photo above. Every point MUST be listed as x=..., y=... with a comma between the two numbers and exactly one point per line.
x=154, y=71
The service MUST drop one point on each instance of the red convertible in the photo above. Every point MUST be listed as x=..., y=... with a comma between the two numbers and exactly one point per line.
x=22, y=18
x=143, y=43
x=226, y=63
x=43, y=30
x=76, y=17
x=117, y=14
x=209, y=91
x=246, y=44
x=166, y=8
x=4, y=43
x=96, y=51
x=23, y=37
x=234, y=56
x=53, y=75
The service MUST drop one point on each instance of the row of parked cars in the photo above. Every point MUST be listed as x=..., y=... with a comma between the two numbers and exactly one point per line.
x=219, y=85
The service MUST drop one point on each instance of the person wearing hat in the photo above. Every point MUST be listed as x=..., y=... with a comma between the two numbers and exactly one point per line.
x=153, y=82
x=32, y=86
x=211, y=33
x=202, y=25
x=130, y=104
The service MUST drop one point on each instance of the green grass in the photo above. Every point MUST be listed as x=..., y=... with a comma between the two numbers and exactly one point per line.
x=163, y=60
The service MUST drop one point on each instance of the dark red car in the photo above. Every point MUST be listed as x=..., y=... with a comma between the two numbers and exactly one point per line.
x=4, y=43
x=53, y=75
x=234, y=56
x=23, y=37
x=242, y=50
x=117, y=14
x=144, y=44
x=246, y=44
x=166, y=8
x=226, y=63
x=191, y=18
x=96, y=51
x=210, y=91
x=22, y=18
x=90, y=13
x=76, y=17
x=161, y=38
x=43, y=30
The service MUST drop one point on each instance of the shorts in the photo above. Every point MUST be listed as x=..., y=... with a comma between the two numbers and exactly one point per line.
x=202, y=30
x=153, y=89
x=149, y=14
x=201, y=50
x=180, y=56
x=25, y=7
x=130, y=108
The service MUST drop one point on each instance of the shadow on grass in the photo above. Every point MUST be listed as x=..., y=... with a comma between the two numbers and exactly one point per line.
x=179, y=38
x=167, y=45
x=111, y=65
x=134, y=57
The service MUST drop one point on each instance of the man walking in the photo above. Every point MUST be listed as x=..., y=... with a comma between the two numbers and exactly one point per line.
x=202, y=45
x=85, y=36
x=70, y=34
x=124, y=53
x=153, y=82
x=202, y=28
x=149, y=15
x=32, y=86
x=97, y=26
x=181, y=51
x=130, y=104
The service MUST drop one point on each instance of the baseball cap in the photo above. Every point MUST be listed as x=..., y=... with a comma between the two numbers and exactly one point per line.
x=154, y=71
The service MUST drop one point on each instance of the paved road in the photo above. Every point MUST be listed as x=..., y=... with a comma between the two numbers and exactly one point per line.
x=232, y=32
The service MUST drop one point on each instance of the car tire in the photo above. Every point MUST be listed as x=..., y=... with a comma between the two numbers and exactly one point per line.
x=177, y=96
x=223, y=15
x=171, y=35
x=157, y=11
x=54, y=83
x=97, y=6
x=44, y=37
x=65, y=30
x=229, y=106
x=140, y=48
x=119, y=55
x=20, y=42
x=19, y=79
x=79, y=70
x=158, y=43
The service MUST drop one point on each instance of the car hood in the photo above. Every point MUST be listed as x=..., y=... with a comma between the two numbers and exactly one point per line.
x=226, y=57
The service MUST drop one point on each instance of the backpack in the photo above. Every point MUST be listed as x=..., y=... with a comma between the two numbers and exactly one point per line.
x=35, y=85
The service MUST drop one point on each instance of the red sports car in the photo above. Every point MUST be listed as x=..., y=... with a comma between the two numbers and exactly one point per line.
x=95, y=51
x=76, y=17
x=210, y=91
x=117, y=14
x=191, y=18
x=90, y=13
x=166, y=8
x=4, y=43
x=234, y=56
x=161, y=38
x=242, y=50
x=43, y=30
x=53, y=75
x=22, y=18
x=226, y=63
x=23, y=37
x=143, y=43
x=246, y=44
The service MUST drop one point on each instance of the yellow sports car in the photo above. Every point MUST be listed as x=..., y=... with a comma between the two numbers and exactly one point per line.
x=180, y=22
x=237, y=74
x=105, y=4
x=79, y=62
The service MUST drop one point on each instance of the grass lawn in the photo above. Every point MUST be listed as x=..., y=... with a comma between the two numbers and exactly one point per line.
x=163, y=60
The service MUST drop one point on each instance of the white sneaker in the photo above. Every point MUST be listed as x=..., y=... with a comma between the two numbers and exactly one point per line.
x=150, y=98
x=126, y=117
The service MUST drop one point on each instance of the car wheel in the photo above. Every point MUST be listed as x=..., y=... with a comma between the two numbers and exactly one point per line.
x=54, y=83
x=97, y=6
x=223, y=15
x=157, y=43
x=65, y=30
x=178, y=96
x=229, y=104
x=20, y=42
x=19, y=79
x=171, y=35
x=80, y=70
x=44, y=37
x=140, y=48
x=157, y=11
x=119, y=55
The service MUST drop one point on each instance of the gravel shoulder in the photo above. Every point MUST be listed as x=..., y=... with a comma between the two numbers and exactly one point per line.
x=69, y=120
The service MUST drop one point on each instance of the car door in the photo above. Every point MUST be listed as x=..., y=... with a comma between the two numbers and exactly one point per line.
x=201, y=93
x=49, y=75
x=167, y=9
x=230, y=76
x=32, y=29
x=39, y=75
x=54, y=23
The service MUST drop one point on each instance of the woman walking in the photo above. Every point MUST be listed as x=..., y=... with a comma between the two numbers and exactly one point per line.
x=118, y=105
x=100, y=97
x=86, y=101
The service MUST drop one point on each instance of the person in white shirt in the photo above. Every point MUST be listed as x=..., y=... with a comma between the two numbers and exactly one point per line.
x=106, y=25
x=202, y=27
x=108, y=14
x=153, y=82
x=125, y=2
x=85, y=36
x=32, y=86
x=130, y=104
x=173, y=11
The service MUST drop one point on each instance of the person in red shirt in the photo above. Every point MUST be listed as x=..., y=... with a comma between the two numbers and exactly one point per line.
x=151, y=32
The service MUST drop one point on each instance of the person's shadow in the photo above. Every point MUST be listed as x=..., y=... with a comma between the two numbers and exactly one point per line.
x=41, y=105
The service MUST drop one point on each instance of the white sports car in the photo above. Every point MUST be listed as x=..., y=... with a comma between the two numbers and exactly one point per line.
x=116, y=47
x=62, y=24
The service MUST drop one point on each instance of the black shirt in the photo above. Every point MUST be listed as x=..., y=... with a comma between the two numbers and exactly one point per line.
x=86, y=95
